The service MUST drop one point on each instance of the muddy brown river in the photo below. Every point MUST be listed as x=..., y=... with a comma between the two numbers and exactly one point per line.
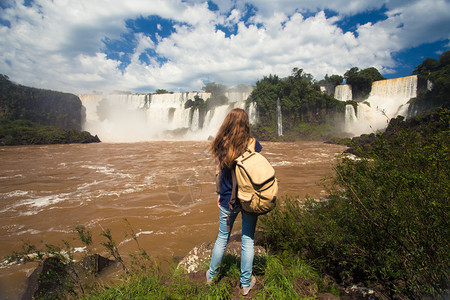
x=165, y=190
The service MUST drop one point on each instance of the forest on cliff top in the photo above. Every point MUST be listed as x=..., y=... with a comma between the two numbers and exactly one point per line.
x=36, y=116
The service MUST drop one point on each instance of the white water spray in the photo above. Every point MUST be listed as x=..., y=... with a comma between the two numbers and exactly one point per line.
x=388, y=99
x=134, y=118
x=279, y=119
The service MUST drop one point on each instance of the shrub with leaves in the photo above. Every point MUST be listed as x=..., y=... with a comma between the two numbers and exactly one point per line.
x=386, y=217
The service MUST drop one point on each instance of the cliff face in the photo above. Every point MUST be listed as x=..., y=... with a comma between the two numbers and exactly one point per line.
x=44, y=107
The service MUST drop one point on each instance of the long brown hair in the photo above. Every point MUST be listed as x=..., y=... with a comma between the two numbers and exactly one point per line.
x=232, y=137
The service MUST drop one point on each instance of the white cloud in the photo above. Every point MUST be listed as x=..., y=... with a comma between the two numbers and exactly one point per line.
x=60, y=44
x=344, y=7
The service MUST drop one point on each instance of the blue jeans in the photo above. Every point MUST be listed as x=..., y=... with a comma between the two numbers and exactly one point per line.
x=248, y=233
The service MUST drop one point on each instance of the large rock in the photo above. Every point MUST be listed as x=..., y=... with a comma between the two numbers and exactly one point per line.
x=96, y=263
x=51, y=278
x=39, y=283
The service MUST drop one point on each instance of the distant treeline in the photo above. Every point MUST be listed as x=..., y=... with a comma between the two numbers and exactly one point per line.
x=36, y=116
x=434, y=83
x=307, y=112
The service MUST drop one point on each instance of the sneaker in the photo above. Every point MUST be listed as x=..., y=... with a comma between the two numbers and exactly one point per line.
x=246, y=289
x=208, y=278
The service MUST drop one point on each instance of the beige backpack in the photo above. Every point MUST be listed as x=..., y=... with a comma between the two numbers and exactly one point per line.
x=257, y=186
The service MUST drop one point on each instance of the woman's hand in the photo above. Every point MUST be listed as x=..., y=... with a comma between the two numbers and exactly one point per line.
x=218, y=201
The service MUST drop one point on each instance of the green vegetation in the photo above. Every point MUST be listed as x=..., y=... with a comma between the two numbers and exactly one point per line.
x=60, y=274
x=215, y=89
x=280, y=276
x=118, y=92
x=35, y=116
x=385, y=221
x=330, y=82
x=161, y=91
x=307, y=112
x=197, y=103
x=437, y=73
x=24, y=132
x=361, y=81
x=41, y=106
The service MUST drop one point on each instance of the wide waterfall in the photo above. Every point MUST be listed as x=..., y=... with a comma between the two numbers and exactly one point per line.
x=343, y=92
x=388, y=99
x=133, y=117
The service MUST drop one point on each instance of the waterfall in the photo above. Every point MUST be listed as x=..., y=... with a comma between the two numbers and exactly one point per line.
x=350, y=118
x=279, y=120
x=388, y=99
x=237, y=96
x=134, y=117
x=343, y=92
x=195, y=120
x=252, y=112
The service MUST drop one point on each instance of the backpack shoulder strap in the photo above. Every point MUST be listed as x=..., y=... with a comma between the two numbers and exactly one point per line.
x=234, y=188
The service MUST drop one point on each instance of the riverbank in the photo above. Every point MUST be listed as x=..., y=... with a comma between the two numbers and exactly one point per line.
x=24, y=132
x=280, y=276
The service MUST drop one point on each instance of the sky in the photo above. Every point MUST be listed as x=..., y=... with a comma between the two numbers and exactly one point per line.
x=82, y=46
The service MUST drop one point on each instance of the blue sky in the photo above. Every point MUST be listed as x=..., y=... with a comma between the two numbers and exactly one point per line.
x=140, y=46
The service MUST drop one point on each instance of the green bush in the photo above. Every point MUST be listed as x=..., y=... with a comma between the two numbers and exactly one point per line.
x=386, y=217
x=24, y=132
x=361, y=81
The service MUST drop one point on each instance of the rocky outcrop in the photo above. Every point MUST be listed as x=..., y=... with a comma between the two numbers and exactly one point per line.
x=45, y=107
x=52, y=277
x=30, y=116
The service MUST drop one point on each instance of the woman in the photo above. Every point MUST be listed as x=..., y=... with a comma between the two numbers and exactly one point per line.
x=230, y=142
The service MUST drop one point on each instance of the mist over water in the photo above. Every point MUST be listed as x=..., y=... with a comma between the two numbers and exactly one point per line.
x=136, y=118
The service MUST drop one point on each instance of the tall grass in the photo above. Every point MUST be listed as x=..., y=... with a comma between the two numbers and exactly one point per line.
x=279, y=277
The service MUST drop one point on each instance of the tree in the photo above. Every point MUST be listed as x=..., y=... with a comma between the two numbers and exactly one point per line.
x=330, y=82
x=214, y=88
x=161, y=91
x=351, y=73
x=361, y=81
x=436, y=71
x=301, y=101
x=334, y=79
x=298, y=74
